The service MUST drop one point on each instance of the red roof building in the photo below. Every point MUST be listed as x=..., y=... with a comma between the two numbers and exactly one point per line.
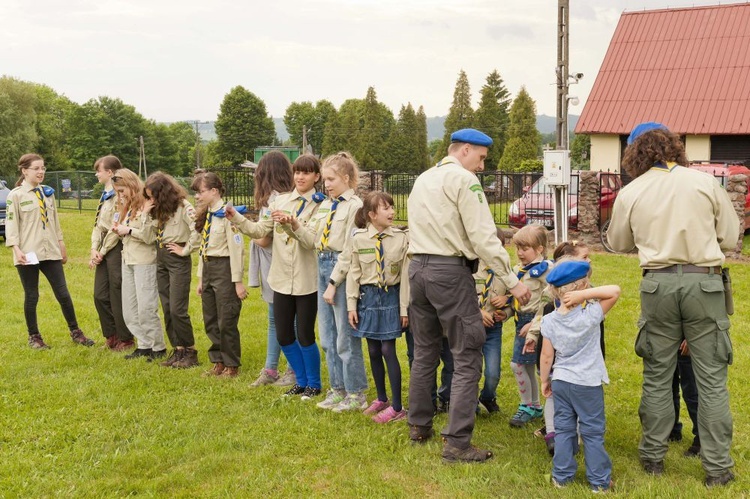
x=687, y=68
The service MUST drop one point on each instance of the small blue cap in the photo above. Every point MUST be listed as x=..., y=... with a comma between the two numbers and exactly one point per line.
x=471, y=136
x=567, y=272
x=643, y=128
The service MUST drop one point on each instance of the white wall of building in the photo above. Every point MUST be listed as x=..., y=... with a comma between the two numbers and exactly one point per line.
x=698, y=147
x=605, y=152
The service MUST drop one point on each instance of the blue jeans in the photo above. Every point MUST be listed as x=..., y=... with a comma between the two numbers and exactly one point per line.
x=273, y=349
x=346, y=365
x=582, y=406
x=491, y=352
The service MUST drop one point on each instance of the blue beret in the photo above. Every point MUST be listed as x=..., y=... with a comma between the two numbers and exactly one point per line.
x=567, y=272
x=643, y=128
x=471, y=136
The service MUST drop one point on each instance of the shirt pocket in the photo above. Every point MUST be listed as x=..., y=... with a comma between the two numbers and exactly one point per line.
x=27, y=207
x=369, y=264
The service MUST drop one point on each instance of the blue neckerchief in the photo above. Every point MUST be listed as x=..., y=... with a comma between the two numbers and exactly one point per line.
x=665, y=168
x=107, y=195
x=534, y=269
x=242, y=209
x=302, y=206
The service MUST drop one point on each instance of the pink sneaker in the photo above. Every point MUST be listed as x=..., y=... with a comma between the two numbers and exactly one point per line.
x=389, y=415
x=376, y=407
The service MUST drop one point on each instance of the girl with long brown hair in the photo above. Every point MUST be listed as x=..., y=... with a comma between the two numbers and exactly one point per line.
x=33, y=232
x=175, y=234
x=139, y=290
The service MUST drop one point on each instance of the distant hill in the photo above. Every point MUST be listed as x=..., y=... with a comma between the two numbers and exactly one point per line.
x=435, y=127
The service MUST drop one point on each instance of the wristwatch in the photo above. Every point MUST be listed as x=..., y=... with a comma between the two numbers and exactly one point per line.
x=331, y=282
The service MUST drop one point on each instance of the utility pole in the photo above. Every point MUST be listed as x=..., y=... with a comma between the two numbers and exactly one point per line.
x=196, y=123
x=142, y=158
x=304, y=138
x=562, y=74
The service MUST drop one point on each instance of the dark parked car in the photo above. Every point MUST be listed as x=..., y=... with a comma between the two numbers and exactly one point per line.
x=537, y=205
x=4, y=191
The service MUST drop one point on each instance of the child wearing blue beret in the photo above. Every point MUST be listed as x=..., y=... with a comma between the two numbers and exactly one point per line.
x=571, y=336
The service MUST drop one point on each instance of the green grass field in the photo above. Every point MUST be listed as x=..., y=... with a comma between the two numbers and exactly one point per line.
x=78, y=422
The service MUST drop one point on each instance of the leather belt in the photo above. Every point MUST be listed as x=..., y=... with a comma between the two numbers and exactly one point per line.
x=686, y=269
x=424, y=259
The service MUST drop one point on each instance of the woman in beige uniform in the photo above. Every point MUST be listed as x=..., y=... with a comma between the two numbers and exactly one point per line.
x=106, y=258
x=33, y=232
x=175, y=229
x=220, y=271
x=139, y=291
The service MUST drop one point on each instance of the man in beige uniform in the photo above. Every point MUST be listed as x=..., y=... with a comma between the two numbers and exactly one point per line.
x=680, y=220
x=450, y=227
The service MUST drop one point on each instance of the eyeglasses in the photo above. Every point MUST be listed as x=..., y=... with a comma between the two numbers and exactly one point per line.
x=38, y=169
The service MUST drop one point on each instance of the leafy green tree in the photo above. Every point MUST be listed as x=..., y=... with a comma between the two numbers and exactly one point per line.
x=523, y=137
x=344, y=129
x=461, y=114
x=242, y=125
x=18, y=134
x=185, y=138
x=313, y=117
x=52, y=111
x=580, y=150
x=491, y=116
x=106, y=126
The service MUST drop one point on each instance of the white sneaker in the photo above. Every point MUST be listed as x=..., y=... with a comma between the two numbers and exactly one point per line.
x=264, y=379
x=333, y=399
x=352, y=402
x=287, y=379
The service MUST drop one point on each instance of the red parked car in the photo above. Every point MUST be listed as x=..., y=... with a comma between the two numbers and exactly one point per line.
x=537, y=204
x=723, y=170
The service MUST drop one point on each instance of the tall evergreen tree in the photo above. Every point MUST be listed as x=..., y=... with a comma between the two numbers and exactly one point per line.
x=377, y=122
x=404, y=144
x=460, y=115
x=344, y=128
x=523, y=137
x=313, y=117
x=423, y=154
x=492, y=116
x=242, y=125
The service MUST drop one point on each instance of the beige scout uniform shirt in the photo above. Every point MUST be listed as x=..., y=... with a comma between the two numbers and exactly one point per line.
x=225, y=240
x=342, y=227
x=364, y=266
x=497, y=288
x=294, y=268
x=23, y=224
x=180, y=228
x=536, y=287
x=138, y=247
x=681, y=216
x=102, y=237
x=454, y=219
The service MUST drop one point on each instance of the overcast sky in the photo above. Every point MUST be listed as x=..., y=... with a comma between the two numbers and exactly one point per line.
x=175, y=60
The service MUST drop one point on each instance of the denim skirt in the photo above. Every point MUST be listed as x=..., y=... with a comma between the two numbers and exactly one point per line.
x=518, y=343
x=378, y=311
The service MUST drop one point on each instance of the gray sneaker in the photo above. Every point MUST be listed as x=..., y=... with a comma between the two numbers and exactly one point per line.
x=264, y=379
x=333, y=399
x=352, y=402
x=286, y=379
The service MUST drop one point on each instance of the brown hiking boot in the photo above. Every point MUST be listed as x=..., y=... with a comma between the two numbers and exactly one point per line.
x=230, y=372
x=123, y=346
x=111, y=343
x=215, y=371
x=36, y=342
x=470, y=454
x=420, y=434
x=188, y=359
x=173, y=357
x=78, y=337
